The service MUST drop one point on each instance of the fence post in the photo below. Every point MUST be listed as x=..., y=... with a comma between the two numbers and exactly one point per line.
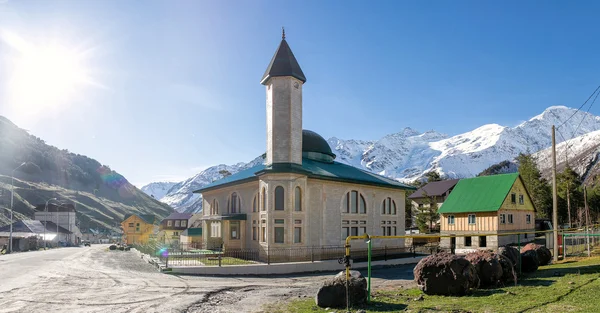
x=167, y=259
x=312, y=254
x=564, y=246
x=219, y=260
x=385, y=253
x=519, y=245
x=268, y=257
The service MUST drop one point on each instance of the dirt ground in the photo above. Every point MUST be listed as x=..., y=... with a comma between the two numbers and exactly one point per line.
x=96, y=280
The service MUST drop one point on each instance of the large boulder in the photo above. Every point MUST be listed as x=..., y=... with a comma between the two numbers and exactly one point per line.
x=488, y=267
x=529, y=261
x=446, y=274
x=510, y=253
x=333, y=292
x=509, y=272
x=544, y=255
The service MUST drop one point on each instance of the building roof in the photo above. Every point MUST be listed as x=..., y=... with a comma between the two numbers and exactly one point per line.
x=53, y=207
x=313, y=142
x=434, y=189
x=25, y=226
x=51, y=227
x=479, y=194
x=283, y=63
x=178, y=216
x=148, y=218
x=333, y=171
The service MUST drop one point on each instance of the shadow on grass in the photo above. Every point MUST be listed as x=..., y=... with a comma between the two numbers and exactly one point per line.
x=486, y=292
x=380, y=306
x=548, y=272
x=536, y=282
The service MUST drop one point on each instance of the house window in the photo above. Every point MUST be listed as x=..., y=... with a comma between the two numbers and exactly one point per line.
x=467, y=241
x=471, y=219
x=254, y=204
x=215, y=230
x=528, y=218
x=420, y=205
x=234, y=229
x=254, y=235
x=175, y=233
x=355, y=203
x=263, y=203
x=137, y=229
x=450, y=219
x=482, y=241
x=298, y=199
x=363, y=230
x=510, y=218
x=131, y=224
x=184, y=223
x=502, y=218
x=297, y=234
x=279, y=221
x=279, y=234
x=354, y=231
x=521, y=199
x=234, y=203
x=214, y=209
x=263, y=233
x=388, y=206
x=513, y=198
x=169, y=223
x=177, y=223
x=279, y=198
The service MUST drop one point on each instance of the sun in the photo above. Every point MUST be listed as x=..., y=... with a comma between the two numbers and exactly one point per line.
x=45, y=76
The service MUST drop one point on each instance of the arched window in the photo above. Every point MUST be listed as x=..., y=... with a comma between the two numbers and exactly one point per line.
x=255, y=204
x=233, y=203
x=388, y=206
x=298, y=199
x=355, y=203
x=263, y=203
x=214, y=208
x=279, y=198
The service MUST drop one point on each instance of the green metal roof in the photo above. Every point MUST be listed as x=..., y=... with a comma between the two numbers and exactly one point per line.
x=334, y=171
x=197, y=231
x=479, y=194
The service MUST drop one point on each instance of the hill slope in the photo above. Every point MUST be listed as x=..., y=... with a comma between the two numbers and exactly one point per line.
x=101, y=196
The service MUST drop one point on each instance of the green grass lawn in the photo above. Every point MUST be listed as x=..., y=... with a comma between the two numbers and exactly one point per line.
x=571, y=286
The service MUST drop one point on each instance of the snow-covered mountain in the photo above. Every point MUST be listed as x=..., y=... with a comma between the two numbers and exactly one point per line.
x=157, y=190
x=409, y=154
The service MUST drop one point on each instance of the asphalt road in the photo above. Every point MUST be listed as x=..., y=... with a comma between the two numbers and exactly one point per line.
x=96, y=280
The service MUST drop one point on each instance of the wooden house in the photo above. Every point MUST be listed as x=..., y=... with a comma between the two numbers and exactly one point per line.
x=487, y=207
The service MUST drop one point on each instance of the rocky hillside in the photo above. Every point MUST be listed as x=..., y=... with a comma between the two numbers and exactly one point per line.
x=101, y=196
x=409, y=154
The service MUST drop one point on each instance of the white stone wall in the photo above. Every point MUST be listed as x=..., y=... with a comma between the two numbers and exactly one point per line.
x=284, y=120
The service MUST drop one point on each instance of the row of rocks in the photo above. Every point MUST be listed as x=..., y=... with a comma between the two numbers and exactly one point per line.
x=452, y=275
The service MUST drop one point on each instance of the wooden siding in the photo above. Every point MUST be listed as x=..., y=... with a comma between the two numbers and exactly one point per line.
x=484, y=222
x=131, y=235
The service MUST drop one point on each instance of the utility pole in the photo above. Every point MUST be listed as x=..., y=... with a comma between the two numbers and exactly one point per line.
x=569, y=203
x=587, y=221
x=554, y=199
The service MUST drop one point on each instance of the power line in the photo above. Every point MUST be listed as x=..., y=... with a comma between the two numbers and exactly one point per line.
x=588, y=99
x=584, y=116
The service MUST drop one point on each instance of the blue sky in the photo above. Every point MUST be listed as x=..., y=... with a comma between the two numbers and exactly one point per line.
x=172, y=87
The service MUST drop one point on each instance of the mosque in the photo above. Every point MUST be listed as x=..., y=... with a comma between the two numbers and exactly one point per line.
x=300, y=197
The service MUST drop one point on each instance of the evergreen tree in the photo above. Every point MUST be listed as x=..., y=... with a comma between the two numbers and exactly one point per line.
x=538, y=188
x=433, y=176
x=569, y=183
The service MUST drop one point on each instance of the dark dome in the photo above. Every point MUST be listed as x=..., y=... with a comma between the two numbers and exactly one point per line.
x=313, y=142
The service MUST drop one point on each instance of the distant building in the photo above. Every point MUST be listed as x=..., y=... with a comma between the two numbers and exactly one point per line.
x=173, y=225
x=138, y=229
x=487, y=206
x=301, y=196
x=25, y=230
x=64, y=215
x=434, y=192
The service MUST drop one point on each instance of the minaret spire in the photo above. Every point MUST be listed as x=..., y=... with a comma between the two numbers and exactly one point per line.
x=282, y=33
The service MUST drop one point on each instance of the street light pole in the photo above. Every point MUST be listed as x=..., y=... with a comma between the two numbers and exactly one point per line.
x=12, y=188
x=46, y=220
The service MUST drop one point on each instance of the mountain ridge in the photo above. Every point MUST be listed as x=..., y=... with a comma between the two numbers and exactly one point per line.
x=409, y=154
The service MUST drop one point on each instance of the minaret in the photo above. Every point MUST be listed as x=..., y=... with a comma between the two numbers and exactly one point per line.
x=283, y=80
